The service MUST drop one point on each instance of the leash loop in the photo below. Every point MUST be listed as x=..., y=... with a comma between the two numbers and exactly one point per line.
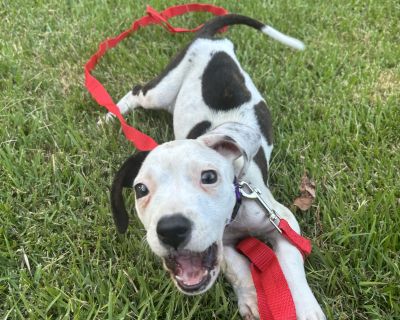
x=140, y=140
x=160, y=18
x=274, y=298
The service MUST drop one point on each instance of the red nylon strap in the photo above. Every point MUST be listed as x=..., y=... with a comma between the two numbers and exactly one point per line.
x=301, y=243
x=99, y=93
x=273, y=294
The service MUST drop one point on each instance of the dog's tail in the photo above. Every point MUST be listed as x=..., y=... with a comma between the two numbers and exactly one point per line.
x=211, y=27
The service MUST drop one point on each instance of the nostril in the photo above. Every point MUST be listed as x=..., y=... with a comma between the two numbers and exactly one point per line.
x=181, y=232
x=174, y=230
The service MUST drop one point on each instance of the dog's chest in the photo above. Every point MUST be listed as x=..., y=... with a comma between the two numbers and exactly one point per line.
x=248, y=223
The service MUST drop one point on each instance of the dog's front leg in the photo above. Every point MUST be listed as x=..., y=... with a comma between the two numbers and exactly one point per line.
x=160, y=92
x=292, y=264
x=237, y=270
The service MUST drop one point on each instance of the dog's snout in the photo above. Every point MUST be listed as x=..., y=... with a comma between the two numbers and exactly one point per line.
x=174, y=230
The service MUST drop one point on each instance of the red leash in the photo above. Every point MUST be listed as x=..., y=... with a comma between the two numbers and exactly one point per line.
x=273, y=293
x=275, y=301
x=140, y=140
x=274, y=298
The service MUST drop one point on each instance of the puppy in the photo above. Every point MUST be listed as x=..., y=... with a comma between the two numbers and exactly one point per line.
x=185, y=189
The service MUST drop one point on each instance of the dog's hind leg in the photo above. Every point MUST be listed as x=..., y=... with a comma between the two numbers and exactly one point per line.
x=160, y=92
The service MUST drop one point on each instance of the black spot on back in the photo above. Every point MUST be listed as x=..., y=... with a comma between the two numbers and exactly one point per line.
x=261, y=162
x=264, y=120
x=223, y=85
x=198, y=130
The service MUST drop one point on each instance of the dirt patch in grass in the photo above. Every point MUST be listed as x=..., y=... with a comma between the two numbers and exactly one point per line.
x=387, y=85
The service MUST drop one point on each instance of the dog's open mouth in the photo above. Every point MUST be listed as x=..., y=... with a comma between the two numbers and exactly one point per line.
x=192, y=270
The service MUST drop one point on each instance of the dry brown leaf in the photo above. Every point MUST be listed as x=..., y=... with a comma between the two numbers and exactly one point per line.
x=303, y=203
x=307, y=196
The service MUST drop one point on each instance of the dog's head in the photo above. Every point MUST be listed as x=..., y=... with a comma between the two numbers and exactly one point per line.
x=184, y=197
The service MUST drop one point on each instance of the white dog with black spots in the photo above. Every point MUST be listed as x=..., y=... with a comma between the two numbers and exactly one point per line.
x=185, y=190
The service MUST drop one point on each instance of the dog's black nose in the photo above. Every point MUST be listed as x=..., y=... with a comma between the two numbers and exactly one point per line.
x=174, y=230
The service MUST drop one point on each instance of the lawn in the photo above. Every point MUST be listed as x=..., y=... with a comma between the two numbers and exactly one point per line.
x=336, y=115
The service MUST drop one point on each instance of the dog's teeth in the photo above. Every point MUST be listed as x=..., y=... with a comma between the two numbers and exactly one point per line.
x=178, y=278
x=205, y=273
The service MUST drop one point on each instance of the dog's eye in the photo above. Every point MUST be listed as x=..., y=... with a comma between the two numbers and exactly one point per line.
x=141, y=190
x=209, y=177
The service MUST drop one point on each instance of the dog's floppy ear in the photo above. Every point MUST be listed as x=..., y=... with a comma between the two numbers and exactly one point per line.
x=124, y=179
x=232, y=140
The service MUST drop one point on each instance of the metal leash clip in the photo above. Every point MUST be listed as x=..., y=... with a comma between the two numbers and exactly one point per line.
x=256, y=194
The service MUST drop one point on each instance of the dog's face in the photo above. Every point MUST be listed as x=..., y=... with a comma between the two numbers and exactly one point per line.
x=184, y=197
x=188, y=198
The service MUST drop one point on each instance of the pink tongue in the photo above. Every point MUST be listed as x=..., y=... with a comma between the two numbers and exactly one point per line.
x=191, y=270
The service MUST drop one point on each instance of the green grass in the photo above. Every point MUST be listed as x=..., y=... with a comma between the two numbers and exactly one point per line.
x=336, y=114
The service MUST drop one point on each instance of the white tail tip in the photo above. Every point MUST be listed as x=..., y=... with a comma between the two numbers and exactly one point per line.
x=283, y=38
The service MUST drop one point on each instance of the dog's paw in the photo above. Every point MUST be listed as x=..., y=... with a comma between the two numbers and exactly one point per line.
x=314, y=313
x=108, y=118
x=248, y=307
